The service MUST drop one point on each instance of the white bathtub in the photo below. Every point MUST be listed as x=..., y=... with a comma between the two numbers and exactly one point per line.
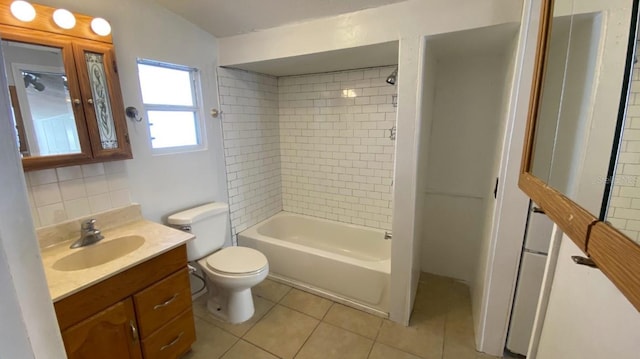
x=348, y=263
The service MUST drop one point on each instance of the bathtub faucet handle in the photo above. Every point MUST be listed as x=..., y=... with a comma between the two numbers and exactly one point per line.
x=387, y=235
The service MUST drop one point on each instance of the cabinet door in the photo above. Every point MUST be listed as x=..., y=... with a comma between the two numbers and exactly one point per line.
x=102, y=99
x=45, y=99
x=110, y=334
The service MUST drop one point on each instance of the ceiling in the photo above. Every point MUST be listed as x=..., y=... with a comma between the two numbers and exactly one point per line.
x=224, y=18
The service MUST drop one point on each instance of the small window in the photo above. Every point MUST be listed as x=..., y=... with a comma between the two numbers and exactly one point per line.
x=171, y=98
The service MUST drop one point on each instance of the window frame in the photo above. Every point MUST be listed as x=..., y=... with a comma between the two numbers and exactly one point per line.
x=196, y=108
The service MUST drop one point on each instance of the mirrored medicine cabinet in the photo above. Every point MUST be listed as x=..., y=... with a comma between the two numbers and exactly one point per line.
x=63, y=85
x=581, y=161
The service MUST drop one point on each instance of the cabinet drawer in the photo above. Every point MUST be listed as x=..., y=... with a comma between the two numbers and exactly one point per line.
x=162, y=301
x=171, y=340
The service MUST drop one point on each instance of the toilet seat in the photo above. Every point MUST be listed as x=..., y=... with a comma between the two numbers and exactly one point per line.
x=237, y=261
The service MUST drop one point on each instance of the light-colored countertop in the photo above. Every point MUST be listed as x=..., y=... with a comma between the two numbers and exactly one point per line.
x=158, y=239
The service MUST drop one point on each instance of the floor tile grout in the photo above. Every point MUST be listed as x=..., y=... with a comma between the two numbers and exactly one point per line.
x=449, y=315
x=306, y=340
x=231, y=347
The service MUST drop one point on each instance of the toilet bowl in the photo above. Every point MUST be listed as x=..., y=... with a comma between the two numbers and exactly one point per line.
x=231, y=273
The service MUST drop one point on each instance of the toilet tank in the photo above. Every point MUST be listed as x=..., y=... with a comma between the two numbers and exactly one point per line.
x=209, y=223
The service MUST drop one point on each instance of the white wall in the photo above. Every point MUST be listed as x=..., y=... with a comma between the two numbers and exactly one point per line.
x=426, y=112
x=163, y=184
x=371, y=26
x=464, y=147
x=587, y=316
x=499, y=254
x=407, y=22
x=250, y=121
x=337, y=157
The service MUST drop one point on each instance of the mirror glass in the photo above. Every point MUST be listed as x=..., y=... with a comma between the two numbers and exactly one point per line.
x=623, y=211
x=42, y=108
x=580, y=98
x=551, y=93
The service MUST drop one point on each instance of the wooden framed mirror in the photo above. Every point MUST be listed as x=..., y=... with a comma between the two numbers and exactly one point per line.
x=579, y=146
x=65, y=92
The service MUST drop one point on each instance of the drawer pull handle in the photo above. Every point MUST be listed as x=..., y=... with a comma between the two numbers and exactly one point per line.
x=169, y=301
x=173, y=342
x=134, y=331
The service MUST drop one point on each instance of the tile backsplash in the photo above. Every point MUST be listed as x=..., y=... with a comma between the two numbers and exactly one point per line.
x=57, y=195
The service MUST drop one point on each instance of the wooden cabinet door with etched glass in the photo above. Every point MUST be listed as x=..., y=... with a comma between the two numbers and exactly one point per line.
x=66, y=98
x=103, y=106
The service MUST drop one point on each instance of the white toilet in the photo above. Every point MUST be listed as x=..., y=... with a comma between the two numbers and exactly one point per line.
x=230, y=271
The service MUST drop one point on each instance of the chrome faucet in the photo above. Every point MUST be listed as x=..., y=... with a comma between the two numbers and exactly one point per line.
x=387, y=235
x=88, y=234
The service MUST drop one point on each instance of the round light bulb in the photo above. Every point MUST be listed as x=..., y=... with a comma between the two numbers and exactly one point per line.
x=23, y=11
x=64, y=18
x=100, y=26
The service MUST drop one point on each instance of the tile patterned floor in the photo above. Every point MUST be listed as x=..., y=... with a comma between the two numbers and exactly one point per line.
x=290, y=323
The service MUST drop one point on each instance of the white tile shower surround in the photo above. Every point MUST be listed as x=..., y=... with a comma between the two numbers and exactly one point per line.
x=337, y=157
x=56, y=195
x=249, y=103
x=312, y=144
x=624, y=209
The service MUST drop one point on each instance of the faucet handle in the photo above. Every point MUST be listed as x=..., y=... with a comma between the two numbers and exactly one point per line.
x=89, y=225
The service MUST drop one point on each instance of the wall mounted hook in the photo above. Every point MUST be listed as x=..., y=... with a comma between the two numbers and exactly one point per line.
x=132, y=113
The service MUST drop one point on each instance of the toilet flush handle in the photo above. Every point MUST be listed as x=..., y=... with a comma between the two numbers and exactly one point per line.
x=184, y=228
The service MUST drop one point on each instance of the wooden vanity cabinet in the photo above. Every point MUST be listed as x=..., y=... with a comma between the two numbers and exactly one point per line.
x=143, y=312
x=106, y=335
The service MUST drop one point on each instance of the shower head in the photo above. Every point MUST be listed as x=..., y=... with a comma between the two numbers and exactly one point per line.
x=391, y=79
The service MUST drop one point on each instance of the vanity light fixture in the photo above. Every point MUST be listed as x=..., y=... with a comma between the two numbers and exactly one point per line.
x=23, y=11
x=100, y=26
x=64, y=18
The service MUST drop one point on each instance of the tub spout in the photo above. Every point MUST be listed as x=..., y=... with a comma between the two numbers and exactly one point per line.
x=387, y=235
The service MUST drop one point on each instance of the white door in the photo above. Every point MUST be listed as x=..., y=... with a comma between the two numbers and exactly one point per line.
x=587, y=316
x=526, y=302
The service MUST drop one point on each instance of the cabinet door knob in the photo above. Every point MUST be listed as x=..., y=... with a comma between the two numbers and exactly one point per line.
x=90, y=101
x=76, y=101
x=134, y=330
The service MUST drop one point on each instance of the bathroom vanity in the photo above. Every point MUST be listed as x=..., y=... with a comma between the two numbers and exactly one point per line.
x=142, y=312
x=137, y=304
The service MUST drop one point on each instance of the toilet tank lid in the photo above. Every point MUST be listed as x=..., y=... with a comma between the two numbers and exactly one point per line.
x=196, y=214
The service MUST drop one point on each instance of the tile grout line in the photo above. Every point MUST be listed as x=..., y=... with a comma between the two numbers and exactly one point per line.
x=259, y=320
x=254, y=324
x=232, y=345
x=307, y=339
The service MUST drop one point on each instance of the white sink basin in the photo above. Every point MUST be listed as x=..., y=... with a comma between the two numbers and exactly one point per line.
x=99, y=253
